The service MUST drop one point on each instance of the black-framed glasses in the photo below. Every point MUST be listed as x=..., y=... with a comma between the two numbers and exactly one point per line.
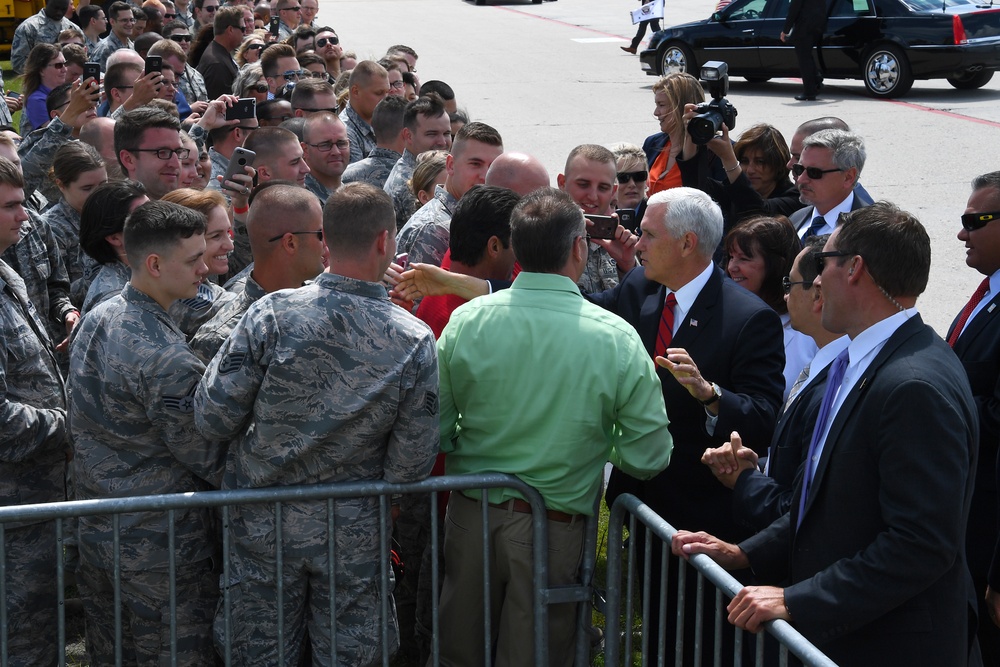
x=787, y=282
x=180, y=38
x=815, y=173
x=255, y=47
x=170, y=16
x=294, y=74
x=326, y=146
x=291, y=9
x=635, y=176
x=318, y=233
x=164, y=153
x=973, y=221
x=821, y=258
x=210, y=9
x=257, y=88
x=61, y=65
x=396, y=85
x=323, y=41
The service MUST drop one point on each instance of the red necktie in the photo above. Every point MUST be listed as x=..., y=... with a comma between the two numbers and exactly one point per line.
x=980, y=292
x=666, y=332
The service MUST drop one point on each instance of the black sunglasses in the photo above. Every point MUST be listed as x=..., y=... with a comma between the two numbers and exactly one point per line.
x=786, y=284
x=323, y=41
x=257, y=87
x=318, y=233
x=821, y=258
x=634, y=176
x=180, y=38
x=815, y=173
x=255, y=47
x=973, y=221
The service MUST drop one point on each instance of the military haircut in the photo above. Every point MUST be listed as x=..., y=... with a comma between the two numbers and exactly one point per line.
x=10, y=174
x=365, y=72
x=428, y=106
x=112, y=12
x=402, y=48
x=305, y=92
x=121, y=75
x=439, y=87
x=318, y=120
x=807, y=265
x=57, y=97
x=132, y=125
x=104, y=214
x=157, y=227
x=543, y=228
x=167, y=48
x=476, y=131
x=592, y=152
x=355, y=215
x=482, y=213
x=387, y=119
x=268, y=143
x=88, y=13
x=278, y=207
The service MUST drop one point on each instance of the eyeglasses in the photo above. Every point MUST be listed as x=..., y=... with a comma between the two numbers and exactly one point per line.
x=170, y=16
x=318, y=233
x=180, y=38
x=325, y=146
x=815, y=173
x=786, y=284
x=291, y=9
x=210, y=9
x=164, y=153
x=973, y=221
x=255, y=47
x=323, y=41
x=635, y=176
x=821, y=258
x=164, y=82
x=257, y=88
x=294, y=74
x=396, y=85
x=61, y=65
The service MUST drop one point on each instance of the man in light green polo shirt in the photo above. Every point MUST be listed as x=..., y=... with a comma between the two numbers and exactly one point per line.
x=541, y=384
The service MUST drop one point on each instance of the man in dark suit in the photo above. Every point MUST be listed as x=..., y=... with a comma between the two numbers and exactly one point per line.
x=217, y=65
x=720, y=356
x=827, y=171
x=804, y=27
x=761, y=497
x=975, y=337
x=872, y=553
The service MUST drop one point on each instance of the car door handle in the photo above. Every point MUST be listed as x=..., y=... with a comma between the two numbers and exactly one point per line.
x=749, y=31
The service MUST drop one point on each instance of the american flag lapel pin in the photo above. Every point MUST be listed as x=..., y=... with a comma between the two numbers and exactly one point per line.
x=693, y=322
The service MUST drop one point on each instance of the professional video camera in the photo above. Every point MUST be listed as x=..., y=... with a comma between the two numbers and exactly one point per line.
x=712, y=115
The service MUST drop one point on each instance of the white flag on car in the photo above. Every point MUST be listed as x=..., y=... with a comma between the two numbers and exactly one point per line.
x=648, y=12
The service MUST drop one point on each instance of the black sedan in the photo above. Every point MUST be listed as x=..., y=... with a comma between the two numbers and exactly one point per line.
x=885, y=43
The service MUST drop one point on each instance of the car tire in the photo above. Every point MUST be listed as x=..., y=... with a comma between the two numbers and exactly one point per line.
x=757, y=79
x=887, y=72
x=971, y=80
x=676, y=57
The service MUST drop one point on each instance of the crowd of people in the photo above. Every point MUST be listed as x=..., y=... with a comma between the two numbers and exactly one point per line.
x=356, y=281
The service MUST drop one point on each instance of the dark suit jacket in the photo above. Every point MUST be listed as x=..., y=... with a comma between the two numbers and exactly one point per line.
x=807, y=17
x=219, y=70
x=978, y=348
x=802, y=216
x=736, y=341
x=876, y=573
x=759, y=499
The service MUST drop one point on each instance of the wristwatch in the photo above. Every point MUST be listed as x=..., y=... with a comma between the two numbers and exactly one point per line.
x=716, y=395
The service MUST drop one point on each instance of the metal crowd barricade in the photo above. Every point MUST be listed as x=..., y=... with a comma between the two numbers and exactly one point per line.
x=656, y=527
x=544, y=595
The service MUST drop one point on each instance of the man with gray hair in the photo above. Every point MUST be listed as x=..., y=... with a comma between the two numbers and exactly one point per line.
x=721, y=361
x=826, y=173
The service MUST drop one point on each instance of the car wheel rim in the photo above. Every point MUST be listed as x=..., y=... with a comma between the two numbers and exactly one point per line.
x=883, y=71
x=674, y=61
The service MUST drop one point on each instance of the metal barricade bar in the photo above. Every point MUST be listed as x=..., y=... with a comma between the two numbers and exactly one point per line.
x=656, y=526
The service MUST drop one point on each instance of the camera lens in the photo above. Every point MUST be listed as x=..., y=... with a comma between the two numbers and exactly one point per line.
x=703, y=127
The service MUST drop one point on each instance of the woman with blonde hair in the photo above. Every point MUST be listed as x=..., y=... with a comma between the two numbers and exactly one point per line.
x=428, y=173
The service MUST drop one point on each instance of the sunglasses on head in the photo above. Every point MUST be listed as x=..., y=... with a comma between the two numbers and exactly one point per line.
x=634, y=176
x=815, y=173
x=973, y=221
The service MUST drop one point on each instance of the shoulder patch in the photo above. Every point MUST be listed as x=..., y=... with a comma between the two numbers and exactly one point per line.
x=183, y=404
x=232, y=362
x=431, y=403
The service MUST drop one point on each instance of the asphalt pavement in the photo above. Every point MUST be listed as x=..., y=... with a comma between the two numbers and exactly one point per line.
x=551, y=76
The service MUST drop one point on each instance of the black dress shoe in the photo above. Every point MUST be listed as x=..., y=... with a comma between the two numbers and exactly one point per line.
x=805, y=98
x=628, y=49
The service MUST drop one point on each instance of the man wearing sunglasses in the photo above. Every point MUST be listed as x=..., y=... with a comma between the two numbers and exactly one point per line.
x=975, y=337
x=120, y=37
x=43, y=27
x=872, y=552
x=280, y=67
x=204, y=13
x=290, y=16
x=827, y=171
x=217, y=65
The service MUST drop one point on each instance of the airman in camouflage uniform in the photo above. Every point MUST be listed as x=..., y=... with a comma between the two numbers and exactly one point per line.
x=190, y=314
x=327, y=383
x=43, y=27
x=321, y=191
x=427, y=233
x=397, y=184
x=65, y=225
x=108, y=282
x=359, y=132
x=213, y=333
x=192, y=85
x=374, y=169
x=131, y=410
x=34, y=445
x=601, y=272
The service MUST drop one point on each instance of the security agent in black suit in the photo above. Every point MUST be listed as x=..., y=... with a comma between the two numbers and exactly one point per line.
x=826, y=174
x=976, y=341
x=804, y=27
x=873, y=565
x=761, y=497
x=722, y=371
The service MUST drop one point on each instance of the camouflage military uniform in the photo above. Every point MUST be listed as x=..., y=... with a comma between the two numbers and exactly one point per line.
x=91, y=47
x=37, y=29
x=326, y=383
x=109, y=45
x=220, y=163
x=37, y=152
x=398, y=186
x=428, y=232
x=374, y=169
x=601, y=272
x=239, y=280
x=242, y=254
x=32, y=470
x=65, y=225
x=189, y=314
x=131, y=411
x=360, y=134
x=37, y=260
x=192, y=85
x=321, y=191
x=212, y=334
x=108, y=282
